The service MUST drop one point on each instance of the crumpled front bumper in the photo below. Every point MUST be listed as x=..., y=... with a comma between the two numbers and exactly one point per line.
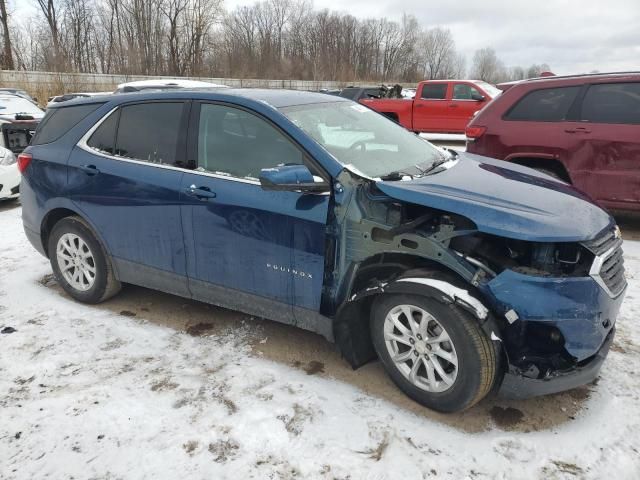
x=515, y=385
x=575, y=307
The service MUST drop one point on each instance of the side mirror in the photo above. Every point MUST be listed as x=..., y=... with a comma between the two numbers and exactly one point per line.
x=296, y=178
x=477, y=97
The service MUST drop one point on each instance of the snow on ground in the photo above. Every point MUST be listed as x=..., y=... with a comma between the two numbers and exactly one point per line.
x=85, y=393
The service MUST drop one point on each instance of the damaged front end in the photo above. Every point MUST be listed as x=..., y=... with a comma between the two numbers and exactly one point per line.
x=551, y=306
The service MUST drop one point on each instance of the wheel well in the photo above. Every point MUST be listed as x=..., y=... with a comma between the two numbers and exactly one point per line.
x=351, y=323
x=556, y=166
x=49, y=221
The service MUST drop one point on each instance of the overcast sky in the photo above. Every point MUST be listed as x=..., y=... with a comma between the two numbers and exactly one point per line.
x=572, y=36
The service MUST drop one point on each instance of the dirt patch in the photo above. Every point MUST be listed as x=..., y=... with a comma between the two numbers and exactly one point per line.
x=506, y=418
x=199, y=329
x=292, y=346
x=48, y=280
x=314, y=367
x=190, y=446
x=580, y=393
x=223, y=450
x=127, y=313
x=294, y=424
x=377, y=452
x=164, y=384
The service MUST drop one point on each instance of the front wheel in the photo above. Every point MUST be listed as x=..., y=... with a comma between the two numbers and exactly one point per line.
x=79, y=262
x=436, y=353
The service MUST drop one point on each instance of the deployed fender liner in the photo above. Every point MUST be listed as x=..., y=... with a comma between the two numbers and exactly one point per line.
x=352, y=328
x=517, y=386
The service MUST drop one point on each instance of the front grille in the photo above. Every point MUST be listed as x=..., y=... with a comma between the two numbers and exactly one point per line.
x=608, y=265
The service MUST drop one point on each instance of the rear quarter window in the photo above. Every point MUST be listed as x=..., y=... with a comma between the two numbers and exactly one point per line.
x=59, y=121
x=612, y=103
x=544, y=105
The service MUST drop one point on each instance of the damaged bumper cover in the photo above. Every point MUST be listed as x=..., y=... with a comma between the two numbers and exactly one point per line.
x=561, y=332
x=517, y=386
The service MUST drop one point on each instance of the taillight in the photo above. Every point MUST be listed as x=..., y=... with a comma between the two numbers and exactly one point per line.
x=24, y=159
x=474, y=132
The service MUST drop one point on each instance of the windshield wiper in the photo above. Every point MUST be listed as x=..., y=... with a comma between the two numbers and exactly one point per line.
x=439, y=162
x=396, y=175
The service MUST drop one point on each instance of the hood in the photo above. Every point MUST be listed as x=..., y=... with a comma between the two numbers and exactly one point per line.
x=506, y=199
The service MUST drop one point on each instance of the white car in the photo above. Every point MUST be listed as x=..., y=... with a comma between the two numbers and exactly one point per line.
x=18, y=121
x=72, y=96
x=162, y=84
x=9, y=175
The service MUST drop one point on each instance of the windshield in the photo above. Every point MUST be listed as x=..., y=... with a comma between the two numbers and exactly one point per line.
x=13, y=105
x=490, y=89
x=362, y=139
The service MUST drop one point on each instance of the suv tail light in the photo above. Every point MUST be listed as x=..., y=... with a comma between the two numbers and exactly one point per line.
x=473, y=133
x=24, y=159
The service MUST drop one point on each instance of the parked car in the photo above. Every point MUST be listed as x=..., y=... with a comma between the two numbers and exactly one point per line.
x=65, y=97
x=9, y=175
x=583, y=129
x=19, y=118
x=18, y=92
x=461, y=273
x=439, y=106
x=163, y=84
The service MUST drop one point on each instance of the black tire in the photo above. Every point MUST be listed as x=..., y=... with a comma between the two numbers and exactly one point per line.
x=477, y=358
x=104, y=284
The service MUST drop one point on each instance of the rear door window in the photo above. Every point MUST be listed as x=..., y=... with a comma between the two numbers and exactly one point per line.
x=435, y=91
x=149, y=132
x=59, y=121
x=545, y=105
x=612, y=103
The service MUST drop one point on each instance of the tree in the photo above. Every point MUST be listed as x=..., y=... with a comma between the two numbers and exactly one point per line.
x=439, y=53
x=486, y=66
x=7, y=53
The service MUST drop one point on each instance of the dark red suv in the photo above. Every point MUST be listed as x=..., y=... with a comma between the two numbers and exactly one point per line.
x=583, y=129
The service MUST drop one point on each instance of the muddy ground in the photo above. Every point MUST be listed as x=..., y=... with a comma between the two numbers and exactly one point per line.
x=314, y=355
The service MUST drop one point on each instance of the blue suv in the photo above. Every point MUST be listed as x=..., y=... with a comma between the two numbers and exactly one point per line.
x=462, y=274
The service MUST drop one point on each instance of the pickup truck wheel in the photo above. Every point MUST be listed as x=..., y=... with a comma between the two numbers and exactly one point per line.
x=436, y=353
x=79, y=262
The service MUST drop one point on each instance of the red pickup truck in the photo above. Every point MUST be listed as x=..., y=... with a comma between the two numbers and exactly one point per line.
x=440, y=106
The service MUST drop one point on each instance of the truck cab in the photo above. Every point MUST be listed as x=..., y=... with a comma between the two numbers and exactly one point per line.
x=439, y=106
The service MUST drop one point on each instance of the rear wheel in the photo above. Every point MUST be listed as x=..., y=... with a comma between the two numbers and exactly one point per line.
x=436, y=353
x=79, y=262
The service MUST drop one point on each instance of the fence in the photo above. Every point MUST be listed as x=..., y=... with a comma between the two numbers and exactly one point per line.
x=45, y=84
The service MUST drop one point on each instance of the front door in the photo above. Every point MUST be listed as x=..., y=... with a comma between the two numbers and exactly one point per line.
x=127, y=184
x=253, y=250
x=463, y=106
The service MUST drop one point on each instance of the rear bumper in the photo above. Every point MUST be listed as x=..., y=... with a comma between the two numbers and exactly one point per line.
x=517, y=386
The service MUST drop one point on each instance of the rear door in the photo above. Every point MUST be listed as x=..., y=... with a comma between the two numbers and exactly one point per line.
x=253, y=250
x=124, y=176
x=430, y=108
x=536, y=126
x=609, y=132
x=463, y=106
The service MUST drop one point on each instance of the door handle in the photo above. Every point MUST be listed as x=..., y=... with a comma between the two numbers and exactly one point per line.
x=453, y=106
x=577, y=130
x=90, y=170
x=420, y=105
x=202, y=193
